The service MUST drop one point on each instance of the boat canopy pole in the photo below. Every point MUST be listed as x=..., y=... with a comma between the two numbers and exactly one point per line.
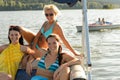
x=85, y=38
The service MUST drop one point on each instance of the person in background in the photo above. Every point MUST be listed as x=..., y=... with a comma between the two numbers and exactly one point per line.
x=103, y=21
x=98, y=22
x=12, y=53
x=53, y=63
x=50, y=26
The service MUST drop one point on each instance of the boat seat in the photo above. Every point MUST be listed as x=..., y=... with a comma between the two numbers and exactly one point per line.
x=77, y=73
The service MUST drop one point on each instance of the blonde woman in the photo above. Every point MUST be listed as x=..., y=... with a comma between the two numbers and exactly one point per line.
x=50, y=26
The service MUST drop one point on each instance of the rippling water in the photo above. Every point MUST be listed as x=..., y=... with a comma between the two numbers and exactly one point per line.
x=104, y=45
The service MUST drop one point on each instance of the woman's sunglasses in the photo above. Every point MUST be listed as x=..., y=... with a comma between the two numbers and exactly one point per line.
x=51, y=14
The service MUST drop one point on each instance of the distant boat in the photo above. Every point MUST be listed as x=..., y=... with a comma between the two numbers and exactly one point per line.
x=99, y=27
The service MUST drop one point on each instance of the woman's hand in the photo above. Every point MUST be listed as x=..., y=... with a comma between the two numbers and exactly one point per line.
x=3, y=47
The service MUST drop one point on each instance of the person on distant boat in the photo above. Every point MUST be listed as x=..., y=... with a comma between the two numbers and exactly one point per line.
x=98, y=22
x=50, y=26
x=12, y=53
x=103, y=21
x=53, y=63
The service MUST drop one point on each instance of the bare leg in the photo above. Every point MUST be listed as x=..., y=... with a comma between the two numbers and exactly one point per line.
x=27, y=34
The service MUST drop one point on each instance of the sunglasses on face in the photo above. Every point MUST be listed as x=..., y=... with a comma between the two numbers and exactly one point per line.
x=51, y=14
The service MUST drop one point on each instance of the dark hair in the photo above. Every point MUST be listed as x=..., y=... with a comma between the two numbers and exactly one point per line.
x=15, y=28
x=53, y=35
x=59, y=55
x=60, y=47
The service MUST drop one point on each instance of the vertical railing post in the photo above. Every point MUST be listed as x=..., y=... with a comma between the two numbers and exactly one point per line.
x=85, y=38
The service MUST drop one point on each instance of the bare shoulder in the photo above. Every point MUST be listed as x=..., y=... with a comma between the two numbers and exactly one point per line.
x=57, y=28
x=57, y=25
x=4, y=46
x=44, y=23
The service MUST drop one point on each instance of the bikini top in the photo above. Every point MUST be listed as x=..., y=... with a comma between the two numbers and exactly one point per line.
x=52, y=67
x=49, y=31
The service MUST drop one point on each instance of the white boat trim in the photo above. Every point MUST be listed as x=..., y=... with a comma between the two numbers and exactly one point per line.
x=98, y=27
x=85, y=39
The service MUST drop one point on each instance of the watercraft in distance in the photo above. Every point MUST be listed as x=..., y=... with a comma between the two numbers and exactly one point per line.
x=98, y=27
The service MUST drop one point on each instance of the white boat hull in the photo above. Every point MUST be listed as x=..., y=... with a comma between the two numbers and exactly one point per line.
x=98, y=27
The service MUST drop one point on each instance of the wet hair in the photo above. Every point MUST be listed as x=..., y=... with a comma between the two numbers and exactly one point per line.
x=52, y=7
x=60, y=47
x=15, y=28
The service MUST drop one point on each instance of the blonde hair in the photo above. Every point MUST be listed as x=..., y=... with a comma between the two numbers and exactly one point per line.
x=52, y=7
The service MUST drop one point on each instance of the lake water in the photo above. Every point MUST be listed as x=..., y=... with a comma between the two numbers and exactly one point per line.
x=104, y=45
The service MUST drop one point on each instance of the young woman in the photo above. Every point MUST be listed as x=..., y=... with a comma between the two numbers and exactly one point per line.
x=50, y=26
x=11, y=54
x=53, y=64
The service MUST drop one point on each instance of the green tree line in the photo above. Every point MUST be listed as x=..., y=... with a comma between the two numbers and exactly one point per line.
x=39, y=4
